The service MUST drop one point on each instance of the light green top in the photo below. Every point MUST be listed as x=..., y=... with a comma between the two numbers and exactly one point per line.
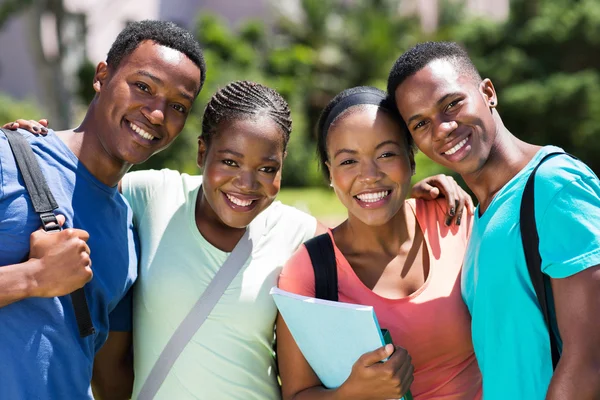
x=231, y=355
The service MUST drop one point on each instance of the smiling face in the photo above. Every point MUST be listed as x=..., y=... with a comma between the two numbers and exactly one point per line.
x=241, y=169
x=449, y=115
x=143, y=103
x=369, y=162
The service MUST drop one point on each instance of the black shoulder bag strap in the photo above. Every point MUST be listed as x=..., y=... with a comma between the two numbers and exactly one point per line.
x=44, y=204
x=322, y=257
x=531, y=247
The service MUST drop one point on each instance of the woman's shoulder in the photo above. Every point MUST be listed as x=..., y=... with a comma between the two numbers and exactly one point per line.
x=297, y=275
x=285, y=220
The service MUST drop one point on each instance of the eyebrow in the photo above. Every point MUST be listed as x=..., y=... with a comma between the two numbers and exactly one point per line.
x=380, y=145
x=437, y=103
x=159, y=81
x=240, y=155
x=340, y=151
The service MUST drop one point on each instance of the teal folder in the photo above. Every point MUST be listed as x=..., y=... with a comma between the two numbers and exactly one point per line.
x=331, y=335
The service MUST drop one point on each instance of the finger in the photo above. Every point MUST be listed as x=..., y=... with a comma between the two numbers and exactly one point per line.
x=434, y=193
x=43, y=122
x=10, y=125
x=61, y=219
x=375, y=356
x=422, y=190
x=460, y=208
x=81, y=234
x=30, y=125
x=86, y=248
x=470, y=205
x=407, y=380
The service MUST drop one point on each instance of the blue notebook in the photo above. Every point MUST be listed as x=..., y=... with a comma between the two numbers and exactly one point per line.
x=331, y=335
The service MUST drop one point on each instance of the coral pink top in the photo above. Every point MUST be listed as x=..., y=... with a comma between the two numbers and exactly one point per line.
x=433, y=323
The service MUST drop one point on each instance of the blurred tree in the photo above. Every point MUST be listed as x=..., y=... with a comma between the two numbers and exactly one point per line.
x=11, y=109
x=52, y=67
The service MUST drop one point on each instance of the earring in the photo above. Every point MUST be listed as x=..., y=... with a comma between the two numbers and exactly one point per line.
x=492, y=103
x=330, y=184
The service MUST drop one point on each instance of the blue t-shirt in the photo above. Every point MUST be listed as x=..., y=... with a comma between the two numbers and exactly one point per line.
x=41, y=353
x=509, y=334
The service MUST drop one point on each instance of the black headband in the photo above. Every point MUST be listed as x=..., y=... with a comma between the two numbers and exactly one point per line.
x=353, y=100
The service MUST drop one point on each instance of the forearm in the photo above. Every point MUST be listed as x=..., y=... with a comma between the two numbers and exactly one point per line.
x=579, y=379
x=319, y=393
x=17, y=282
x=117, y=385
x=112, y=376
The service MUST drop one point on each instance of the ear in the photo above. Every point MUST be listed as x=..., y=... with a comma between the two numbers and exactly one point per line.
x=486, y=88
x=329, y=169
x=202, y=151
x=284, y=155
x=100, y=76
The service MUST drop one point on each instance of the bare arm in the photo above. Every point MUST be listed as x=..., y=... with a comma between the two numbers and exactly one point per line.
x=113, y=368
x=17, y=282
x=577, y=300
x=369, y=378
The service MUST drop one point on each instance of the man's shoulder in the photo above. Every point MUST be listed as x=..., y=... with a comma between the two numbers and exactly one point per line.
x=560, y=171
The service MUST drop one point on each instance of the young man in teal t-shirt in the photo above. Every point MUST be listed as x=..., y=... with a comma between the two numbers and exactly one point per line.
x=451, y=113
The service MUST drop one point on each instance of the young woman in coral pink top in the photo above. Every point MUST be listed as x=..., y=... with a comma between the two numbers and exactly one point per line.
x=401, y=256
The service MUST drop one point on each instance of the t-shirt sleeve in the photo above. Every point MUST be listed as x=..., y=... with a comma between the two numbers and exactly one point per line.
x=570, y=228
x=140, y=186
x=120, y=318
x=297, y=275
x=298, y=225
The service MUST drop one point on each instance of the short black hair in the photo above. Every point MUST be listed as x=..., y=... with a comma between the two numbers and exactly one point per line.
x=242, y=100
x=386, y=105
x=422, y=54
x=164, y=33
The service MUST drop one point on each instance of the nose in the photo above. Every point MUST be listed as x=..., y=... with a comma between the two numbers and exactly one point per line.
x=155, y=111
x=444, y=129
x=370, y=172
x=246, y=181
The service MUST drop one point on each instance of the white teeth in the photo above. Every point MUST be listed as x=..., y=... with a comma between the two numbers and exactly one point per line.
x=239, y=202
x=372, y=197
x=140, y=131
x=457, y=147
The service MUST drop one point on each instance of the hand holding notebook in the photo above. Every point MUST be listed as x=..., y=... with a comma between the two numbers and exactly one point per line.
x=345, y=347
x=370, y=378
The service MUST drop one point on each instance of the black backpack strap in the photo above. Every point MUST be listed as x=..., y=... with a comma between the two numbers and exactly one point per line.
x=531, y=247
x=44, y=204
x=322, y=256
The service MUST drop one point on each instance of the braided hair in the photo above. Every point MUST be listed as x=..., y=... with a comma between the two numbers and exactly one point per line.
x=245, y=99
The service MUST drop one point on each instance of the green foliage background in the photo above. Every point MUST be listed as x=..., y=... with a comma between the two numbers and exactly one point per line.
x=544, y=62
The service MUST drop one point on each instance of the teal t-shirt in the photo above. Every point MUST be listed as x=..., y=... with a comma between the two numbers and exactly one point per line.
x=509, y=334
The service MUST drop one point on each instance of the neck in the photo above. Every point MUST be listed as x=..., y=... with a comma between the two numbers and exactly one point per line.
x=85, y=143
x=215, y=231
x=508, y=155
x=386, y=238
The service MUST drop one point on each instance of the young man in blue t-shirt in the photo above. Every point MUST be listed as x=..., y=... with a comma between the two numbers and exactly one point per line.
x=144, y=92
x=451, y=113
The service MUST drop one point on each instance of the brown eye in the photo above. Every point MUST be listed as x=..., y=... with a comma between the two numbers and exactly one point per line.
x=143, y=87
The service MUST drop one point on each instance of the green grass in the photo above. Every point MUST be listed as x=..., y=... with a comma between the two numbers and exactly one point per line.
x=319, y=202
